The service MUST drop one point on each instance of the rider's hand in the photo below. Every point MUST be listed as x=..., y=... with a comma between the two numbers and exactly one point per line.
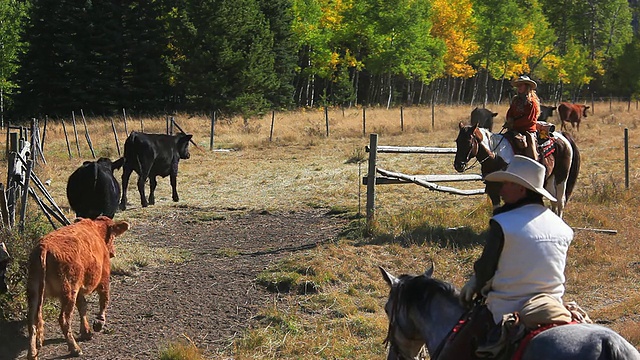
x=468, y=291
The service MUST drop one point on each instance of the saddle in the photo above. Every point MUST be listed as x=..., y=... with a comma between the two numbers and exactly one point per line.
x=546, y=145
x=469, y=338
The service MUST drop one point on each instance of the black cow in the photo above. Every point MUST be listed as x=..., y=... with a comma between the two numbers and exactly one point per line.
x=92, y=190
x=151, y=155
x=483, y=118
x=546, y=112
x=4, y=262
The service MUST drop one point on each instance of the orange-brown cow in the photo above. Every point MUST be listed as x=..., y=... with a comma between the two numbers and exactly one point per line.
x=572, y=113
x=68, y=264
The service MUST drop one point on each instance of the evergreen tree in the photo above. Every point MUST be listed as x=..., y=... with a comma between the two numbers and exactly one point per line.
x=229, y=60
x=12, y=16
x=279, y=14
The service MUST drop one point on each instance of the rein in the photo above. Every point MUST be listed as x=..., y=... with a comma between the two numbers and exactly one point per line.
x=476, y=145
x=388, y=341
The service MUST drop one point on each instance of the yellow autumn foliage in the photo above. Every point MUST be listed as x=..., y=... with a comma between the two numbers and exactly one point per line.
x=453, y=22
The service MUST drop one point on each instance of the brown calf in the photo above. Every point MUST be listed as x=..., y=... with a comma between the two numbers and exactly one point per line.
x=68, y=264
x=572, y=113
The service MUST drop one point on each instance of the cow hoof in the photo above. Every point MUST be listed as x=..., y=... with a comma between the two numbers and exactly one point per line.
x=86, y=336
x=97, y=325
x=123, y=207
x=175, y=199
x=76, y=352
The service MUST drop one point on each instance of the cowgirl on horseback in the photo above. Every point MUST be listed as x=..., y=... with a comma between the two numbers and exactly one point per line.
x=523, y=113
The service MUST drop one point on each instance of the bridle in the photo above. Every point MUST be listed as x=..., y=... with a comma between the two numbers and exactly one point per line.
x=473, y=151
x=389, y=341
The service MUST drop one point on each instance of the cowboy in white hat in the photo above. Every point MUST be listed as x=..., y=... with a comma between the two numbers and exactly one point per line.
x=523, y=113
x=526, y=249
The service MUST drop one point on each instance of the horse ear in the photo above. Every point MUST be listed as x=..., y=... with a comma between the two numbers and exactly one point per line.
x=429, y=272
x=477, y=133
x=390, y=279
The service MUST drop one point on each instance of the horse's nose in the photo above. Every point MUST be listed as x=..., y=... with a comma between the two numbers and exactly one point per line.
x=459, y=166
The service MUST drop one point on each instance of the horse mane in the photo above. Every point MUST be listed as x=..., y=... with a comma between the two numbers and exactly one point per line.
x=419, y=289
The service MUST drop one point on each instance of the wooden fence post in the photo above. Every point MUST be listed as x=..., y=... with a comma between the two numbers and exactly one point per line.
x=124, y=116
x=115, y=134
x=273, y=120
x=44, y=131
x=433, y=111
x=86, y=134
x=11, y=170
x=401, y=119
x=25, y=193
x=371, y=178
x=364, y=121
x=184, y=132
x=6, y=144
x=626, y=158
x=66, y=138
x=34, y=149
x=75, y=131
x=213, y=129
x=326, y=118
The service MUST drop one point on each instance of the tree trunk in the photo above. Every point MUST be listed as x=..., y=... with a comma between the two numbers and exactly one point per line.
x=390, y=92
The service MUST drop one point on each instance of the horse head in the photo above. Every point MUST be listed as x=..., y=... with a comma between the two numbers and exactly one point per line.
x=466, y=146
x=402, y=345
x=407, y=294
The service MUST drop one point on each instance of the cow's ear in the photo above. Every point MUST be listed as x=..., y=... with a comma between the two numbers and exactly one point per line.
x=460, y=125
x=494, y=114
x=119, y=228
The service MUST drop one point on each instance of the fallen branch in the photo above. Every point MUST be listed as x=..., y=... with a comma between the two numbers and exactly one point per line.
x=603, y=231
x=429, y=185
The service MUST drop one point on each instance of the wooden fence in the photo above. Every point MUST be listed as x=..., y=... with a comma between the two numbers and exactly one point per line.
x=24, y=150
x=427, y=181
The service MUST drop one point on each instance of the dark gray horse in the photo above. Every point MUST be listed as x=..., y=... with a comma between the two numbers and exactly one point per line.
x=423, y=310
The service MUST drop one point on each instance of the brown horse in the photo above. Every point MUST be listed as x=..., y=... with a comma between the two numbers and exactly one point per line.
x=494, y=152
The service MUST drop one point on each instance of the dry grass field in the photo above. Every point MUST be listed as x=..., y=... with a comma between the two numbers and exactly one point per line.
x=299, y=167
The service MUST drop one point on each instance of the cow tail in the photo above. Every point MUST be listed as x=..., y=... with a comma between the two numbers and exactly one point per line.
x=95, y=177
x=575, y=166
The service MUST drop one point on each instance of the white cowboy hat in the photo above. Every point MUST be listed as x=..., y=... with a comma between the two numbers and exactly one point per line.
x=524, y=79
x=523, y=171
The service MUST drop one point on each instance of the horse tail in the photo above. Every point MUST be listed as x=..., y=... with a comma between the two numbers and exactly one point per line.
x=575, y=165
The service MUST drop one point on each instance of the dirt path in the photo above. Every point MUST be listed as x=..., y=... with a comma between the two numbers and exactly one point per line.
x=211, y=298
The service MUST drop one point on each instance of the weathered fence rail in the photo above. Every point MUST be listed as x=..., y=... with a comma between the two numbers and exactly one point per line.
x=390, y=177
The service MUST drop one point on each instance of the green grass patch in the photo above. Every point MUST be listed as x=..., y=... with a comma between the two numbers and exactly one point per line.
x=131, y=256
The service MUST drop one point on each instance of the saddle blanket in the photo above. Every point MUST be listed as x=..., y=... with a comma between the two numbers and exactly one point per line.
x=547, y=148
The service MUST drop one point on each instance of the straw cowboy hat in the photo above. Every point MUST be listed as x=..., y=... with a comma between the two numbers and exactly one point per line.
x=524, y=79
x=523, y=171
